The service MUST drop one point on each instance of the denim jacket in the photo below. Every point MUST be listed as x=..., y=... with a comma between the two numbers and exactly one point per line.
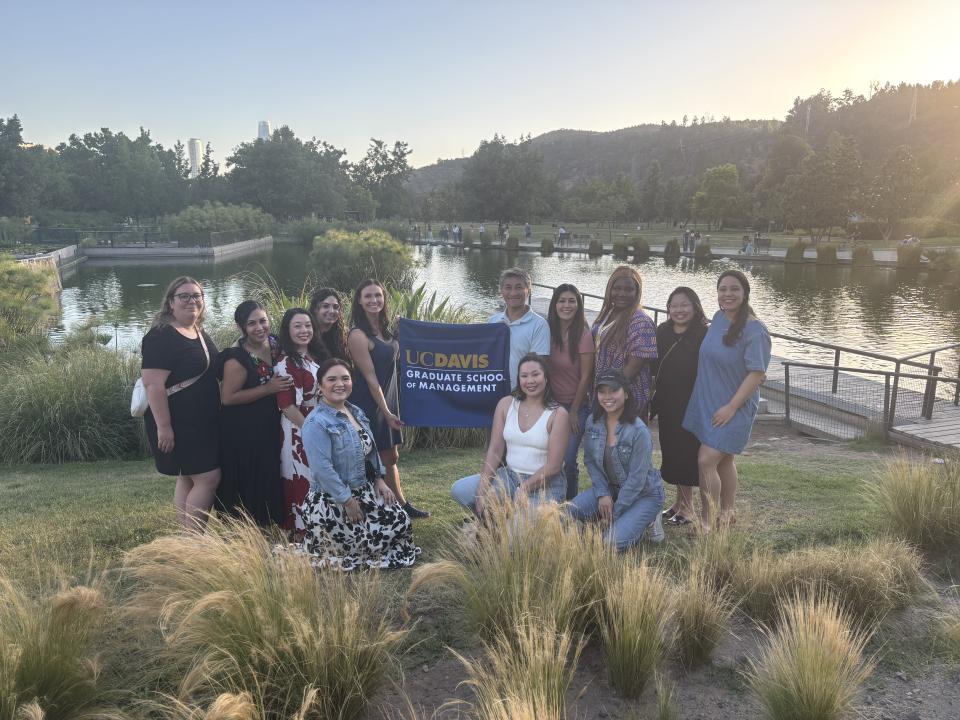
x=334, y=451
x=632, y=463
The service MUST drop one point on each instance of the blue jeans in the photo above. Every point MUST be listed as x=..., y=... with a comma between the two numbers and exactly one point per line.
x=506, y=481
x=628, y=528
x=571, y=469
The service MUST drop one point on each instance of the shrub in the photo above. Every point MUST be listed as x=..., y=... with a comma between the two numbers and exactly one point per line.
x=68, y=406
x=862, y=255
x=523, y=566
x=525, y=674
x=634, y=622
x=546, y=246
x=812, y=665
x=702, y=615
x=342, y=259
x=949, y=634
x=827, y=254
x=671, y=251
x=621, y=249
x=48, y=653
x=14, y=230
x=485, y=240
x=467, y=237
x=195, y=223
x=909, y=255
x=226, y=706
x=513, y=243
x=702, y=252
x=795, y=253
x=641, y=249
x=238, y=618
x=595, y=249
x=718, y=555
x=398, y=230
x=867, y=582
x=919, y=502
x=26, y=299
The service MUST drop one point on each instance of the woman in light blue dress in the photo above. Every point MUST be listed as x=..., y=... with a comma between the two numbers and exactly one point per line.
x=733, y=363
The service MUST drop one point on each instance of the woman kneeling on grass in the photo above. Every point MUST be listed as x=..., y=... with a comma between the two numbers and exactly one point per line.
x=627, y=492
x=352, y=518
x=534, y=430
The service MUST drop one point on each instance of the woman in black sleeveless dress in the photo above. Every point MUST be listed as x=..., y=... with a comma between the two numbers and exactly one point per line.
x=678, y=349
x=250, y=420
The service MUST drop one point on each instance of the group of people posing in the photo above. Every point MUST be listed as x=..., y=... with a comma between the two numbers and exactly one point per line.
x=301, y=428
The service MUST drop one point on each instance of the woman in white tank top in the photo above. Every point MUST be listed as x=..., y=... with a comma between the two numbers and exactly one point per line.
x=533, y=429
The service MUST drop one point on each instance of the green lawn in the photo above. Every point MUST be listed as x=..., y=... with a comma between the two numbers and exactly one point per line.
x=68, y=514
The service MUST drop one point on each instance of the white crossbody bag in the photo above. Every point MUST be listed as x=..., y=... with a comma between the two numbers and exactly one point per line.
x=138, y=401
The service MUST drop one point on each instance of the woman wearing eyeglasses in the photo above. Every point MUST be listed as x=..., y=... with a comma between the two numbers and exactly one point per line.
x=182, y=423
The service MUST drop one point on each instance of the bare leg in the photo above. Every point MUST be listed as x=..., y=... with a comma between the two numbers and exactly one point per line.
x=727, y=470
x=707, y=461
x=180, y=492
x=391, y=477
x=200, y=498
x=684, y=504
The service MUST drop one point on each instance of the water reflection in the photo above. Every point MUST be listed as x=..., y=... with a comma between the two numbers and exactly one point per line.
x=885, y=310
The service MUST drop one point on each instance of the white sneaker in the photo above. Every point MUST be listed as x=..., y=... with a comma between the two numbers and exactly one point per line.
x=654, y=533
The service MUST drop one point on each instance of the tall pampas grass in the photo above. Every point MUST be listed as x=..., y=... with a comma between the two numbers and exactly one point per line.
x=525, y=673
x=237, y=619
x=48, y=661
x=702, y=613
x=812, y=665
x=635, y=624
x=523, y=562
x=919, y=501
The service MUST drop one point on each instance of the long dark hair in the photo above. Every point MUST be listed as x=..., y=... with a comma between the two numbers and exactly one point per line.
x=289, y=347
x=165, y=316
x=243, y=312
x=699, y=316
x=630, y=410
x=618, y=333
x=334, y=339
x=735, y=331
x=549, y=401
x=577, y=326
x=359, y=315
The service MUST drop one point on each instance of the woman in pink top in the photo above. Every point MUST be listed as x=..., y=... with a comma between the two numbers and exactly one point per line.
x=571, y=370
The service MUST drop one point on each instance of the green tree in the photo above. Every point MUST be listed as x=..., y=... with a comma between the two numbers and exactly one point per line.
x=288, y=177
x=719, y=195
x=384, y=172
x=652, y=197
x=894, y=192
x=504, y=181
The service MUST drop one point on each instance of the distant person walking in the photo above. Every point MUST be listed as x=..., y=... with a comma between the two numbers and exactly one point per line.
x=732, y=364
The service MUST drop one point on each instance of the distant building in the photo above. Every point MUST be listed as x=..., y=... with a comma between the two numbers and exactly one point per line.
x=195, y=149
x=263, y=130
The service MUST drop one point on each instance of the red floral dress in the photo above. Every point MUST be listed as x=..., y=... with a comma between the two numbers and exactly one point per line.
x=294, y=467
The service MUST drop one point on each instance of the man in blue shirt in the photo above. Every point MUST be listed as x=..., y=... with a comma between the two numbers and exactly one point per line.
x=529, y=332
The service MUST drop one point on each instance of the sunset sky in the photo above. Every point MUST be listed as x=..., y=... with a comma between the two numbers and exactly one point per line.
x=444, y=75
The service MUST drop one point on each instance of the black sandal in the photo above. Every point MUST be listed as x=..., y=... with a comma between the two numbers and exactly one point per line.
x=679, y=520
x=668, y=513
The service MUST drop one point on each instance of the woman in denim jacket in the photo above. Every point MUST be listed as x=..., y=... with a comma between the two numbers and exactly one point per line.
x=352, y=518
x=627, y=492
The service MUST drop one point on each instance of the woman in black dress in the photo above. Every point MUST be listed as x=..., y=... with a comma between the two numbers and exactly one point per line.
x=375, y=350
x=678, y=348
x=250, y=420
x=326, y=309
x=180, y=378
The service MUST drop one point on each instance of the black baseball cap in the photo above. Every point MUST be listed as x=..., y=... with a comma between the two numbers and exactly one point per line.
x=612, y=379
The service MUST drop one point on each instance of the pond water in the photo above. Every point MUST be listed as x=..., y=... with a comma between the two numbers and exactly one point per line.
x=881, y=309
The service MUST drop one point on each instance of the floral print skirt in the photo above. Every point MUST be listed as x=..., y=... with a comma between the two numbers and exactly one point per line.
x=383, y=539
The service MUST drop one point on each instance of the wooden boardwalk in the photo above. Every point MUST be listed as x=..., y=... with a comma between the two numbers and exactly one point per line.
x=858, y=407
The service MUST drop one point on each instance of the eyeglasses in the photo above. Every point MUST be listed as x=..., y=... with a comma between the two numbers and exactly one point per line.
x=187, y=297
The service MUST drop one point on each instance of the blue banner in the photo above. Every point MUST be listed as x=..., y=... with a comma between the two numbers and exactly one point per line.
x=452, y=375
